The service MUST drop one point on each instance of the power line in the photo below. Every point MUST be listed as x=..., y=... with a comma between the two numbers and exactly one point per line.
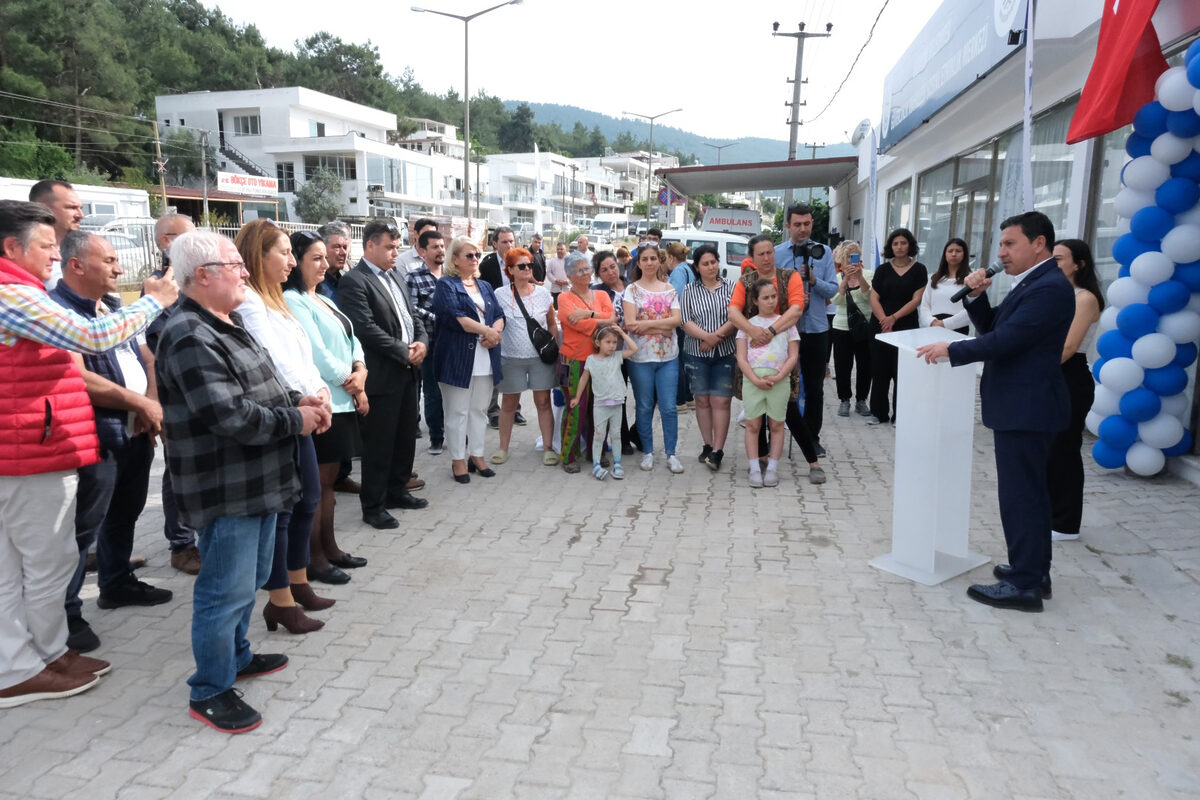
x=853, y=64
x=132, y=137
x=71, y=106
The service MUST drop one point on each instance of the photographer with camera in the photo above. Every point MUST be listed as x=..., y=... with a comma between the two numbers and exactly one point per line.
x=814, y=262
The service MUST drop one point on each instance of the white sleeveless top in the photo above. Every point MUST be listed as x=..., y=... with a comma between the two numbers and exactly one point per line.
x=1089, y=338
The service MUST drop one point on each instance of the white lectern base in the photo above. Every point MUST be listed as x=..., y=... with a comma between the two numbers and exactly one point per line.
x=945, y=567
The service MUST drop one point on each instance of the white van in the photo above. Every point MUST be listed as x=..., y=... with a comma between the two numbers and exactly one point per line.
x=611, y=226
x=731, y=247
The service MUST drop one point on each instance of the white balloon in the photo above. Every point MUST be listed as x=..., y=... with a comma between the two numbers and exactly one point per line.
x=1154, y=350
x=1158, y=82
x=1145, y=173
x=1170, y=149
x=1174, y=91
x=1108, y=317
x=1121, y=375
x=1106, y=402
x=1182, y=244
x=1151, y=269
x=1122, y=227
x=1193, y=304
x=1092, y=422
x=1182, y=326
x=1162, y=432
x=1127, y=291
x=1130, y=201
x=1196, y=103
x=1145, y=460
x=1189, y=217
x=1176, y=405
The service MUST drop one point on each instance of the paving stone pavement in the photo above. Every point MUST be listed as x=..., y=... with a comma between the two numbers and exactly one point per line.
x=543, y=635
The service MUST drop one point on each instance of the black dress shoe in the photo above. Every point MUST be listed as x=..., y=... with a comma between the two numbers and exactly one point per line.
x=484, y=472
x=1003, y=571
x=1005, y=595
x=462, y=478
x=348, y=561
x=408, y=500
x=382, y=520
x=330, y=574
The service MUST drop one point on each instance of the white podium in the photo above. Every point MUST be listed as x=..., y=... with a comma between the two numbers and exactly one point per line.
x=932, y=486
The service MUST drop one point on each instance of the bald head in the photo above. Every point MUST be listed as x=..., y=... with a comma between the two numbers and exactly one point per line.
x=169, y=226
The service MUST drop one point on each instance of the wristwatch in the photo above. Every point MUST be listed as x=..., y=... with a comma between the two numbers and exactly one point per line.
x=771, y=328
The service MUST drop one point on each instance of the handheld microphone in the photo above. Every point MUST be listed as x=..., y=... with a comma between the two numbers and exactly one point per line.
x=995, y=267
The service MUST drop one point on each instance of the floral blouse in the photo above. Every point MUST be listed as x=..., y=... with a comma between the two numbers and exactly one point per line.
x=651, y=306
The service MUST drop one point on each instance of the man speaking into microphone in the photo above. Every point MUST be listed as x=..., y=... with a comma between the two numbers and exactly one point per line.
x=1024, y=398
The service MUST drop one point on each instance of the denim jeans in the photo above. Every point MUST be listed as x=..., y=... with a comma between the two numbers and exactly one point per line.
x=655, y=380
x=235, y=559
x=434, y=417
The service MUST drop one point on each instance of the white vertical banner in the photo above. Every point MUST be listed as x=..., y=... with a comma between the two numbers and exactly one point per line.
x=537, y=190
x=1027, y=122
x=872, y=249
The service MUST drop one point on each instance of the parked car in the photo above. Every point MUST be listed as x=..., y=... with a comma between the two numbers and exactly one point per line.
x=731, y=247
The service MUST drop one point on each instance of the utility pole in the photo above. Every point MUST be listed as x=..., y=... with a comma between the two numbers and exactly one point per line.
x=204, y=171
x=799, y=36
x=160, y=165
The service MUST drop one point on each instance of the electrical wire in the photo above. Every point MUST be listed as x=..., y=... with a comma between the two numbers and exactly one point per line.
x=853, y=64
x=58, y=104
x=133, y=138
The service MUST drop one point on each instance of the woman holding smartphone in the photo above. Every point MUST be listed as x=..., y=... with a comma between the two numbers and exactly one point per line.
x=852, y=350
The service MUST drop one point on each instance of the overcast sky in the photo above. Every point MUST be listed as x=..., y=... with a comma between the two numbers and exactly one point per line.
x=715, y=60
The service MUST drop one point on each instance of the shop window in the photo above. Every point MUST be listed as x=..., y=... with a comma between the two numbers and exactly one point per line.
x=899, y=206
x=935, y=191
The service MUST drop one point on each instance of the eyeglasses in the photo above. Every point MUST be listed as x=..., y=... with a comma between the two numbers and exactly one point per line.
x=524, y=265
x=472, y=256
x=238, y=266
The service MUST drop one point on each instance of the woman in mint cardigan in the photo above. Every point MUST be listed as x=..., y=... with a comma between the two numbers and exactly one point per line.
x=339, y=359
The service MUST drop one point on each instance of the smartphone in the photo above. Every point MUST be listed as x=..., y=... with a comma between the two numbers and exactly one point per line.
x=855, y=258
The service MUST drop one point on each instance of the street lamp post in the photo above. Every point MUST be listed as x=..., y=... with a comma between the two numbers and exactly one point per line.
x=650, y=174
x=718, y=148
x=466, y=20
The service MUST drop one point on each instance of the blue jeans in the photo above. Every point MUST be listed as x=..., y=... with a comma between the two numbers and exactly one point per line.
x=434, y=416
x=235, y=559
x=655, y=380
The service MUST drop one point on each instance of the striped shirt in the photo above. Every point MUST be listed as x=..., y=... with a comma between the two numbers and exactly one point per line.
x=709, y=309
x=28, y=313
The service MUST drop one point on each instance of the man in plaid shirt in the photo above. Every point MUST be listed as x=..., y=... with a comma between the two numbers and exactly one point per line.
x=232, y=426
x=422, y=280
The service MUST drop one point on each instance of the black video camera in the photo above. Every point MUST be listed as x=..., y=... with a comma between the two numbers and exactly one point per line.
x=808, y=250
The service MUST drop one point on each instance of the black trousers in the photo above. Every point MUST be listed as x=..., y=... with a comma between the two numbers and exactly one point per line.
x=1066, y=460
x=883, y=375
x=800, y=434
x=814, y=357
x=389, y=435
x=1022, y=459
x=851, y=356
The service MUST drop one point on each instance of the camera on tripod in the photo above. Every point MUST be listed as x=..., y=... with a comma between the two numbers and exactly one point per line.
x=808, y=250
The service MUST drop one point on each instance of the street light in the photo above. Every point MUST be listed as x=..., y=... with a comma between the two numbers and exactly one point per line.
x=719, y=148
x=466, y=89
x=650, y=175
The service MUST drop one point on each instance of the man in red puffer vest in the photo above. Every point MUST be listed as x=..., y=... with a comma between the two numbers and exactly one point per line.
x=47, y=431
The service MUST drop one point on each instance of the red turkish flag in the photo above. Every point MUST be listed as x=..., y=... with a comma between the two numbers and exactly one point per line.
x=1128, y=60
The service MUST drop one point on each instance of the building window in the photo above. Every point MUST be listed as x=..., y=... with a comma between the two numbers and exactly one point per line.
x=181, y=122
x=285, y=173
x=342, y=166
x=247, y=125
x=899, y=206
x=935, y=189
x=166, y=123
x=316, y=128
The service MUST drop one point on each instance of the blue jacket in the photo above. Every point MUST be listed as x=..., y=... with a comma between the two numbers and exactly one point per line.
x=814, y=319
x=1020, y=342
x=454, y=348
x=334, y=353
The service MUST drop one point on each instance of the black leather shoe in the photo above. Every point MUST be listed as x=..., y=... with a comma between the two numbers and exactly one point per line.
x=330, y=574
x=408, y=500
x=383, y=521
x=1002, y=571
x=484, y=472
x=348, y=561
x=1005, y=595
x=80, y=636
x=262, y=664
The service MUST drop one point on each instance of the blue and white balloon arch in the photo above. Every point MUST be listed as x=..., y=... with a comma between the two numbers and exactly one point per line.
x=1149, y=330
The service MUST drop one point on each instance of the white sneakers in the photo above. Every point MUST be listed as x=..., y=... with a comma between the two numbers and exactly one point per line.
x=647, y=462
x=674, y=465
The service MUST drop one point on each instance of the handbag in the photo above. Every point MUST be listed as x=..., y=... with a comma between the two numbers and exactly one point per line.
x=860, y=326
x=543, y=342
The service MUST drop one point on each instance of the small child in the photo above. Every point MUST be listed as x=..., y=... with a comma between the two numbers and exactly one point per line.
x=766, y=388
x=603, y=370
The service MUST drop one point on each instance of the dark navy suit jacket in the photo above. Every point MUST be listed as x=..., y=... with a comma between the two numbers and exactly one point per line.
x=364, y=301
x=1020, y=342
x=454, y=348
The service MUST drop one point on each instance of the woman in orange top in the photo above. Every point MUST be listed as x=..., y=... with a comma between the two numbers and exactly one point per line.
x=580, y=310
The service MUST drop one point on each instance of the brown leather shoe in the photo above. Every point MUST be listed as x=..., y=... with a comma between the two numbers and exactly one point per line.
x=187, y=560
x=414, y=483
x=349, y=486
x=71, y=663
x=46, y=685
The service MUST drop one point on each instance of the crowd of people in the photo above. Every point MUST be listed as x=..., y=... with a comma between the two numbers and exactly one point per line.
x=268, y=364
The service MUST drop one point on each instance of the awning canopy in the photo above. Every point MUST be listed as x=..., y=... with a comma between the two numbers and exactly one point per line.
x=797, y=174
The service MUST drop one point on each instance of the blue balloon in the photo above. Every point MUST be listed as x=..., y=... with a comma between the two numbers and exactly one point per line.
x=1193, y=51
x=1118, y=432
x=1182, y=447
x=1151, y=120
x=1177, y=195
x=1188, y=275
x=1151, y=224
x=1169, y=297
x=1188, y=168
x=1124, y=271
x=1114, y=344
x=1129, y=247
x=1137, y=145
x=1136, y=320
x=1185, y=354
x=1140, y=405
x=1165, y=381
x=1108, y=456
x=1184, y=124
x=1193, y=73
x=1097, y=366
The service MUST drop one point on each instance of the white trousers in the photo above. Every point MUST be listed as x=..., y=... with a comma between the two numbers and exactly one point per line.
x=37, y=559
x=465, y=412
